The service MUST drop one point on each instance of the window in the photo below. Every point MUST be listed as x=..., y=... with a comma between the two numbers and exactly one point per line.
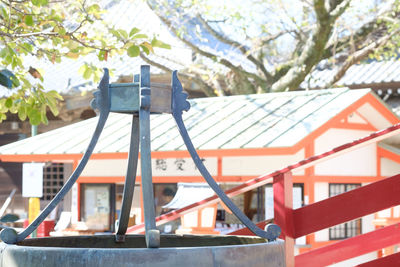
x=53, y=180
x=163, y=194
x=348, y=229
x=98, y=206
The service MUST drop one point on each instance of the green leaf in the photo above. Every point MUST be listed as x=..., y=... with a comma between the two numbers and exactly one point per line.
x=158, y=43
x=133, y=31
x=87, y=73
x=148, y=46
x=54, y=94
x=28, y=47
x=102, y=55
x=3, y=105
x=115, y=33
x=3, y=117
x=123, y=33
x=62, y=31
x=145, y=49
x=82, y=69
x=52, y=103
x=15, y=81
x=133, y=51
x=28, y=20
x=93, y=8
x=9, y=103
x=14, y=109
x=34, y=116
x=43, y=115
x=22, y=113
x=72, y=55
x=4, y=12
x=139, y=36
x=36, y=2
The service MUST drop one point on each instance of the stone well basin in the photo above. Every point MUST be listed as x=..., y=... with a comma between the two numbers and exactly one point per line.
x=175, y=250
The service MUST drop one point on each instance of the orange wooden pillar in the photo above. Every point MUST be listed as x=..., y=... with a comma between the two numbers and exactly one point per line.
x=283, y=212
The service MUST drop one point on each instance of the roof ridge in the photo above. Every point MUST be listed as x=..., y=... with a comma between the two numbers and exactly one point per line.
x=274, y=94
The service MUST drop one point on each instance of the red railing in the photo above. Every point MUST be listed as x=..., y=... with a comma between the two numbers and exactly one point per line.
x=320, y=215
x=351, y=247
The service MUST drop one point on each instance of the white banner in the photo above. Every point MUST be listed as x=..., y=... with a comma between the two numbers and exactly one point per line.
x=32, y=179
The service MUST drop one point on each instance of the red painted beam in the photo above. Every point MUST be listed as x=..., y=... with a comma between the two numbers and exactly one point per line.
x=283, y=211
x=267, y=178
x=391, y=260
x=359, y=202
x=283, y=203
x=351, y=247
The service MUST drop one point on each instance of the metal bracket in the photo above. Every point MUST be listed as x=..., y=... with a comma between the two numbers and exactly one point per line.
x=179, y=104
x=136, y=99
x=100, y=102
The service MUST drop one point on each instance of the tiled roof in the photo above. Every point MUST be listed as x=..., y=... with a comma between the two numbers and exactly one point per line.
x=248, y=121
x=375, y=72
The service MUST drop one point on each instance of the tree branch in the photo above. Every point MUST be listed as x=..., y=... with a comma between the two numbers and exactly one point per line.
x=372, y=27
x=24, y=35
x=210, y=55
x=88, y=45
x=208, y=90
x=266, y=39
x=339, y=9
x=359, y=55
x=314, y=48
x=312, y=52
x=241, y=47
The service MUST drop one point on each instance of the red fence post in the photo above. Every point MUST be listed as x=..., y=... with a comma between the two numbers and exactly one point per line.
x=283, y=212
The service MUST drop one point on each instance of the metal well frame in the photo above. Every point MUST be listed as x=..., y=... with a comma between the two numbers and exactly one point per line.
x=140, y=99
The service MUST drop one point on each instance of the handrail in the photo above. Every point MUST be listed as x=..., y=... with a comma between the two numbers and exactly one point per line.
x=268, y=178
x=351, y=205
x=341, y=208
x=351, y=247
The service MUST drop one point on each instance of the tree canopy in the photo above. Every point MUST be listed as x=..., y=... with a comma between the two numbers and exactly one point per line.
x=254, y=46
x=51, y=30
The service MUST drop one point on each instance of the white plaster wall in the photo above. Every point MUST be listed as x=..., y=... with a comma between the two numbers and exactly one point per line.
x=360, y=162
x=386, y=213
x=258, y=165
x=374, y=117
x=322, y=235
x=182, y=167
x=103, y=168
x=367, y=224
x=160, y=167
x=321, y=192
x=357, y=260
x=389, y=167
x=355, y=118
x=396, y=211
x=378, y=121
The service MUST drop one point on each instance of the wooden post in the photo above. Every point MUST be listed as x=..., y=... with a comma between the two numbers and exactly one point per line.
x=34, y=202
x=283, y=212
